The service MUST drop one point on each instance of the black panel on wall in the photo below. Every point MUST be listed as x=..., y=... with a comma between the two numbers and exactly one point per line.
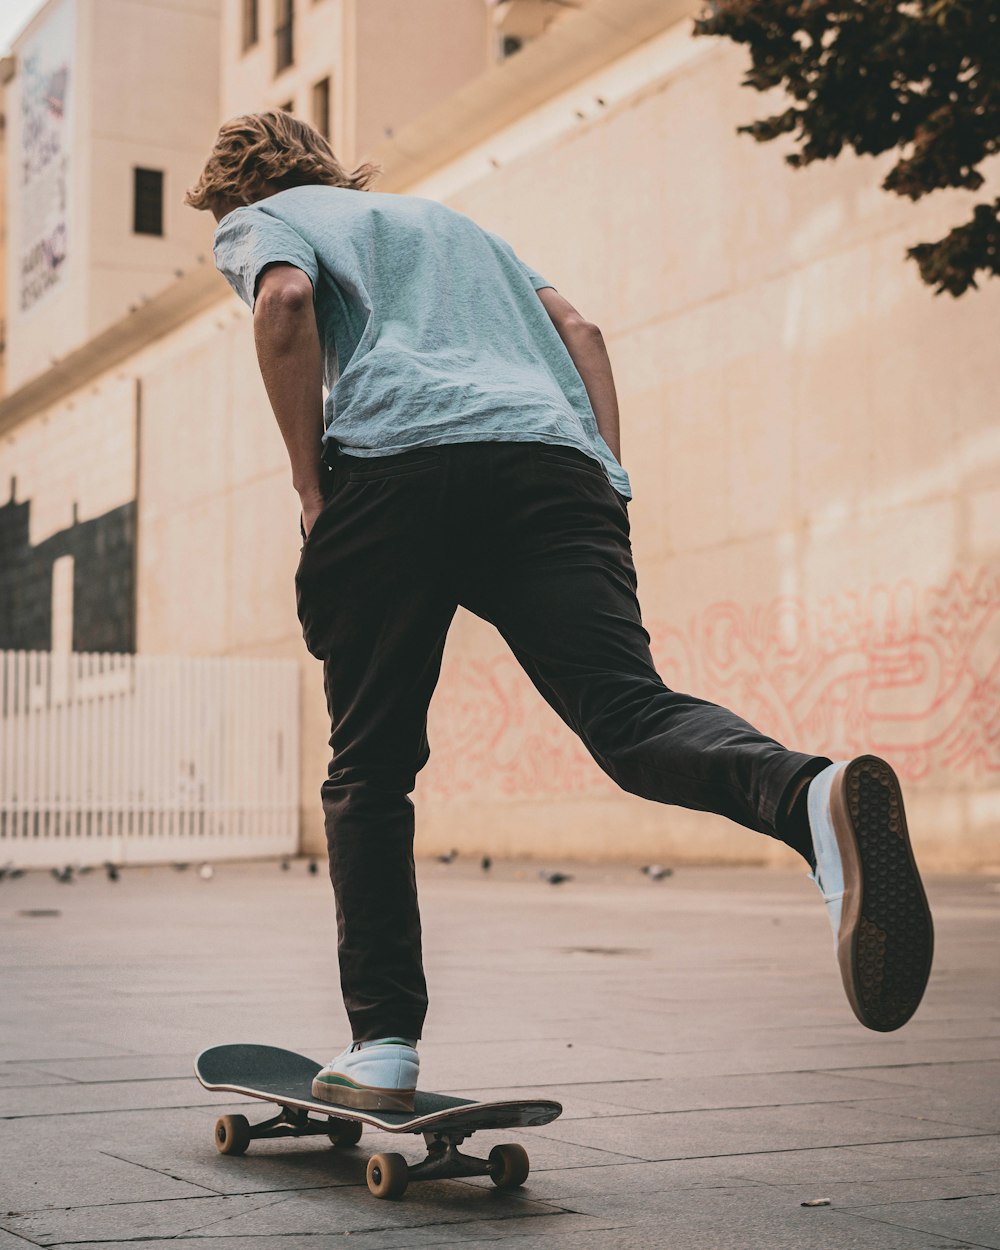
x=103, y=551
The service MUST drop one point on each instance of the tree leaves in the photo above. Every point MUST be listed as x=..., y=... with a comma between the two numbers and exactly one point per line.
x=921, y=77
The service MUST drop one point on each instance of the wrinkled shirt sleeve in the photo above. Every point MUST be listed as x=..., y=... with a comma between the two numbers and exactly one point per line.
x=247, y=240
x=537, y=280
x=533, y=275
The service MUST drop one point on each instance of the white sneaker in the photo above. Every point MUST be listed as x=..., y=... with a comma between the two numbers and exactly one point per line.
x=379, y=1075
x=875, y=901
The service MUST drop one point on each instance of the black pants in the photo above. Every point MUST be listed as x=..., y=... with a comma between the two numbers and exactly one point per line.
x=534, y=539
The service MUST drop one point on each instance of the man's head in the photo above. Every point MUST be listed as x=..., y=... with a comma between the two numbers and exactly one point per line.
x=259, y=154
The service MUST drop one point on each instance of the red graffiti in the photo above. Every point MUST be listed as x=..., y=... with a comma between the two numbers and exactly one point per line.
x=910, y=674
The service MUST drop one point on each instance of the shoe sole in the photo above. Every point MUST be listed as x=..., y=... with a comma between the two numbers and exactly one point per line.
x=364, y=1097
x=886, y=939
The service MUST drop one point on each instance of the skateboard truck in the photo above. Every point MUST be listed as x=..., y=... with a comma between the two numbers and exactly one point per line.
x=445, y=1160
x=387, y=1175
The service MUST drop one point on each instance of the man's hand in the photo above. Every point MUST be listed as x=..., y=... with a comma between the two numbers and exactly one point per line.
x=312, y=506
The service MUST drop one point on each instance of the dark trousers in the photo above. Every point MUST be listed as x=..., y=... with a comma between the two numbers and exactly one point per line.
x=534, y=539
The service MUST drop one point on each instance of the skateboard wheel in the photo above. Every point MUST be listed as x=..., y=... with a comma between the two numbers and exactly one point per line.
x=388, y=1176
x=344, y=1132
x=508, y=1166
x=232, y=1134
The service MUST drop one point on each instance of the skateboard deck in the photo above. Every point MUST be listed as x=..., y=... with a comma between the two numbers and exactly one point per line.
x=285, y=1078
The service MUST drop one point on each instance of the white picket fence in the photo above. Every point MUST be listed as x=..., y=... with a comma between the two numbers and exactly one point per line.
x=146, y=759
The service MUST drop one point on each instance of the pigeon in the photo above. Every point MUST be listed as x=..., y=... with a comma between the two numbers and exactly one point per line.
x=206, y=872
x=313, y=868
x=179, y=867
x=63, y=875
x=555, y=878
x=83, y=869
x=486, y=863
x=285, y=865
x=656, y=872
x=112, y=871
x=446, y=859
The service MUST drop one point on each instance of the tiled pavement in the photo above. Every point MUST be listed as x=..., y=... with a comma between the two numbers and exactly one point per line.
x=712, y=1074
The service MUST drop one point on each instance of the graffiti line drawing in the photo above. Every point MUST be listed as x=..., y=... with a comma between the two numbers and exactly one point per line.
x=909, y=673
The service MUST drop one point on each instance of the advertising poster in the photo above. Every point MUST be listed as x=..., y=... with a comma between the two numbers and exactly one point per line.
x=42, y=178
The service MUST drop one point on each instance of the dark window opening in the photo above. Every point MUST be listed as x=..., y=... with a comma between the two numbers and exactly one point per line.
x=251, y=23
x=284, y=46
x=321, y=107
x=148, y=201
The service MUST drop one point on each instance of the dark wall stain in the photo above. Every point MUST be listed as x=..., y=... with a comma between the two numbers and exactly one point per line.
x=103, y=551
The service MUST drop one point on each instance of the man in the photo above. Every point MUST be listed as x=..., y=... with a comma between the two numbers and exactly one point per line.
x=468, y=454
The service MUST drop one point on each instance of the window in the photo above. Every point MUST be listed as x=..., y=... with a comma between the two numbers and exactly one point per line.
x=251, y=23
x=148, y=201
x=284, y=49
x=321, y=107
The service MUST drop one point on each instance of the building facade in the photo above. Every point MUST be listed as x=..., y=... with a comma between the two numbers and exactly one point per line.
x=808, y=430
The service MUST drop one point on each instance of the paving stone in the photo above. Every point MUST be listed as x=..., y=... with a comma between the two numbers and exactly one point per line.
x=353, y=1209
x=885, y=1161
x=304, y=1213
x=748, y=1090
x=978, y=1152
x=964, y=1093
x=982, y=1078
x=850, y=1234
x=860, y=1194
x=978, y=1112
x=21, y=1075
x=507, y=1063
x=549, y=1230
x=706, y=1019
x=73, y=1098
x=124, y=1221
x=735, y=1219
x=563, y=1186
x=125, y=1156
x=9, y=1241
x=976, y=1218
x=123, y=1068
x=57, y=1162
x=696, y=1135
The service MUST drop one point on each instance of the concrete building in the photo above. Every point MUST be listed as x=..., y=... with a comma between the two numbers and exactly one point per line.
x=808, y=431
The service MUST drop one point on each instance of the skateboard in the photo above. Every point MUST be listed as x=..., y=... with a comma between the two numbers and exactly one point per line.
x=285, y=1078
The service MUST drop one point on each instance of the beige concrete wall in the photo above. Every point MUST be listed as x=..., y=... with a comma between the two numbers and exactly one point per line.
x=144, y=91
x=218, y=522
x=73, y=459
x=407, y=57
x=248, y=80
x=809, y=435
x=154, y=104
x=387, y=60
x=810, y=439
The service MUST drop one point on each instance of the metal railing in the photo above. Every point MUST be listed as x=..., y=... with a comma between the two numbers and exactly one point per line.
x=143, y=759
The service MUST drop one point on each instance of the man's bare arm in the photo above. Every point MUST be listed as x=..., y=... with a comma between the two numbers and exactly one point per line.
x=291, y=364
x=585, y=344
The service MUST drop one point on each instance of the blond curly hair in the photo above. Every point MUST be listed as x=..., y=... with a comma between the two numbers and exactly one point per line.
x=257, y=153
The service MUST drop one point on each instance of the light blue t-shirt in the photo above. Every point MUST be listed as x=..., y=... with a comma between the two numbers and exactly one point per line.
x=431, y=329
